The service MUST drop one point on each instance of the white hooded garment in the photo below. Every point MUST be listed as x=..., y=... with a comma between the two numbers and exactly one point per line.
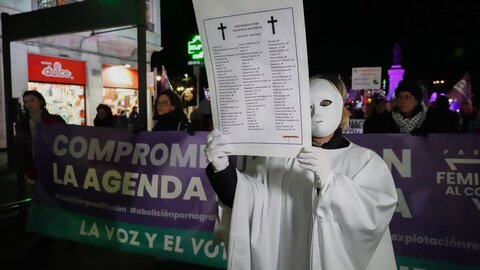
x=281, y=221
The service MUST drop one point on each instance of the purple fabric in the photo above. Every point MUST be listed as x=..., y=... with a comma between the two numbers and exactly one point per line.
x=437, y=217
x=441, y=210
x=46, y=157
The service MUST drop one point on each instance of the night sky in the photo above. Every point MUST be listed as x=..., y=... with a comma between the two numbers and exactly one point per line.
x=440, y=39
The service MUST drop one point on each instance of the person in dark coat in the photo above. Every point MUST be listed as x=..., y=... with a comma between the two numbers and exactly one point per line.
x=379, y=120
x=134, y=119
x=201, y=117
x=408, y=114
x=105, y=117
x=122, y=118
x=168, y=112
x=35, y=112
x=440, y=119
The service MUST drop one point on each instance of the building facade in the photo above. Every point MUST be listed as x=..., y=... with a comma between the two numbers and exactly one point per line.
x=76, y=72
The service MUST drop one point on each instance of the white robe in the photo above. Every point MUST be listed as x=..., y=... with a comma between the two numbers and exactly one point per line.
x=280, y=221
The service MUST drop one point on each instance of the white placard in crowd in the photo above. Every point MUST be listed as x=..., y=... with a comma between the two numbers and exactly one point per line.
x=366, y=78
x=355, y=126
x=256, y=60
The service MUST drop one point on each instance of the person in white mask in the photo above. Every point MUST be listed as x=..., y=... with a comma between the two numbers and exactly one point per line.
x=328, y=208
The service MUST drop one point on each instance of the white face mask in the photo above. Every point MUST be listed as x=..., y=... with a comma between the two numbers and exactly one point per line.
x=326, y=105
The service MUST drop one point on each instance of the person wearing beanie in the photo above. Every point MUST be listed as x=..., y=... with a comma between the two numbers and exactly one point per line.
x=408, y=113
x=411, y=87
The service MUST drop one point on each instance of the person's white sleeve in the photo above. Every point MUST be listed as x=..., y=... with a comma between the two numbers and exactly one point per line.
x=358, y=209
x=245, y=217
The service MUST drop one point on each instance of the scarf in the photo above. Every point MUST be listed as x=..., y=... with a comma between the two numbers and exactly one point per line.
x=406, y=125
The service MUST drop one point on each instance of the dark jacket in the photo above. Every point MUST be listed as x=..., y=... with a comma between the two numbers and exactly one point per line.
x=442, y=120
x=380, y=123
x=23, y=142
x=109, y=122
x=175, y=120
x=133, y=118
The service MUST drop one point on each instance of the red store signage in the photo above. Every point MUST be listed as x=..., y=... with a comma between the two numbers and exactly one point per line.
x=56, y=70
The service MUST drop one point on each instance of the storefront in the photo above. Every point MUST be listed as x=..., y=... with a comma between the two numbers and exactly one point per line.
x=120, y=87
x=62, y=83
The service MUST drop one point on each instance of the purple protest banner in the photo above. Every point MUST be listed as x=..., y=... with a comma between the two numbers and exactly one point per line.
x=145, y=193
x=140, y=172
x=154, y=184
x=437, y=218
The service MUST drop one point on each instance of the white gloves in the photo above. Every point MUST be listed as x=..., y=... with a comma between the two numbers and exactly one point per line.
x=217, y=150
x=316, y=160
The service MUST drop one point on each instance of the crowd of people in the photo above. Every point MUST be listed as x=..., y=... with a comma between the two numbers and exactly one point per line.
x=405, y=114
x=168, y=116
x=410, y=115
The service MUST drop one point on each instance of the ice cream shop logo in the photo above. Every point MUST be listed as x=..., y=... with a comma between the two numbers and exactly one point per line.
x=57, y=71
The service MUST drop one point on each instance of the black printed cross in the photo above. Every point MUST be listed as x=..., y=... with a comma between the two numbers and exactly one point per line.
x=272, y=21
x=222, y=27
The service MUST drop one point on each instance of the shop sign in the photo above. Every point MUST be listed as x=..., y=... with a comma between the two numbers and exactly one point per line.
x=119, y=77
x=56, y=70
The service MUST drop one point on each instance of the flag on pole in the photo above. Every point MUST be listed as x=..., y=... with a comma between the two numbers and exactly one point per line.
x=462, y=90
x=164, y=82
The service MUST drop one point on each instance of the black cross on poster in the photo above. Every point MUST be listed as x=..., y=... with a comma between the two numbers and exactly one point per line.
x=222, y=27
x=272, y=21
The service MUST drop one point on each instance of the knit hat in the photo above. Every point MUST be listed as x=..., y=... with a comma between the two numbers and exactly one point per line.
x=412, y=87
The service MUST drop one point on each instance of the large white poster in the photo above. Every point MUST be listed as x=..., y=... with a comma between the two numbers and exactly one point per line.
x=256, y=61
